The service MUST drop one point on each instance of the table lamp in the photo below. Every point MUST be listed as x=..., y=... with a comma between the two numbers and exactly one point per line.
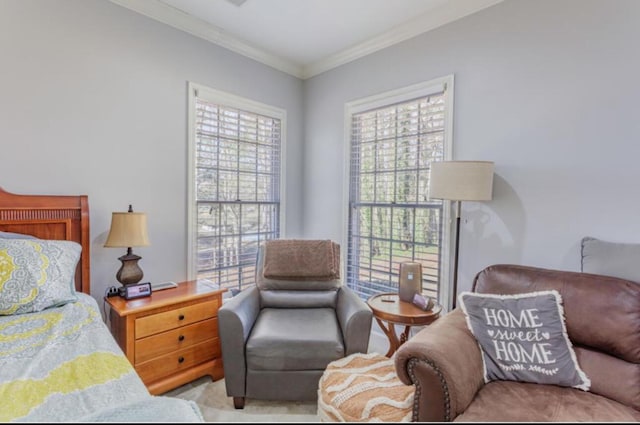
x=128, y=229
x=460, y=181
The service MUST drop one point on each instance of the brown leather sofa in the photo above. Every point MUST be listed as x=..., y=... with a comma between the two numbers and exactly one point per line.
x=603, y=322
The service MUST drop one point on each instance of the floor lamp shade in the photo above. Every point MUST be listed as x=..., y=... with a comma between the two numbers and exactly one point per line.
x=460, y=181
x=128, y=229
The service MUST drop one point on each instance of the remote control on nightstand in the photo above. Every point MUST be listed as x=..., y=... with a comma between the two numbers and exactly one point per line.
x=163, y=285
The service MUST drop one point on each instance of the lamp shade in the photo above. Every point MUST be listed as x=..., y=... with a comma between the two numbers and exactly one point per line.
x=461, y=180
x=127, y=229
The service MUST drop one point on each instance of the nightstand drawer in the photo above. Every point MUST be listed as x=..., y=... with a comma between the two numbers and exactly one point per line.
x=178, y=361
x=174, y=340
x=160, y=322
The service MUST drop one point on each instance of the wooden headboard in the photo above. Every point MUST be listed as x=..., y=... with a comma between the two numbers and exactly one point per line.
x=50, y=217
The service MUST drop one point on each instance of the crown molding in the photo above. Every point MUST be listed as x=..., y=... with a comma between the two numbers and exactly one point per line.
x=437, y=17
x=445, y=13
x=176, y=18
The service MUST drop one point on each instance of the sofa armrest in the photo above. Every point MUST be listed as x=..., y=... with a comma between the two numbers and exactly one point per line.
x=444, y=362
x=355, y=318
x=236, y=318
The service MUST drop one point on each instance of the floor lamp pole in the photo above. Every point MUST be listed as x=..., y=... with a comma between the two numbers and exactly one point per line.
x=455, y=258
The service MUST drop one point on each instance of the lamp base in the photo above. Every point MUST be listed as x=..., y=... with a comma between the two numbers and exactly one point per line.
x=129, y=272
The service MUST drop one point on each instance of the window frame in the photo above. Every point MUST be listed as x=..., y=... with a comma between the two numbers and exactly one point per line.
x=445, y=296
x=232, y=101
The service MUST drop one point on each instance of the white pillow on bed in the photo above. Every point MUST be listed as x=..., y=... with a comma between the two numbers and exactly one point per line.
x=36, y=274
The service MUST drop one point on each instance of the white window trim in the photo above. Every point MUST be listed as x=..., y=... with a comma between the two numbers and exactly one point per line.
x=387, y=98
x=234, y=101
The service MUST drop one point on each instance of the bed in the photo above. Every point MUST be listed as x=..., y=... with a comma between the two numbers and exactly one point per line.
x=58, y=360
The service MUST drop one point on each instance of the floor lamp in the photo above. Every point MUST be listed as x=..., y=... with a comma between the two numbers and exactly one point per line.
x=460, y=181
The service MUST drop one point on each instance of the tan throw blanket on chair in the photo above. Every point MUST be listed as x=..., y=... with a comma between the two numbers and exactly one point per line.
x=301, y=259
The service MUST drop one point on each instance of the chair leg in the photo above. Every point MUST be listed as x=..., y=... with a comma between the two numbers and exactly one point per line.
x=238, y=402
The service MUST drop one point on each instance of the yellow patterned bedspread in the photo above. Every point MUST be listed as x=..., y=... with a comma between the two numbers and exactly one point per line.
x=62, y=364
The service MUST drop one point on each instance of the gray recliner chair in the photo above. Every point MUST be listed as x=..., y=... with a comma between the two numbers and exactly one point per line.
x=278, y=337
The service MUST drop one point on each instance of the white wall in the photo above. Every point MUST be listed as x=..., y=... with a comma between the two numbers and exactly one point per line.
x=548, y=89
x=93, y=100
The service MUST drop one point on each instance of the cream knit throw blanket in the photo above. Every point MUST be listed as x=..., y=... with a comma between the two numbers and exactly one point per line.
x=364, y=388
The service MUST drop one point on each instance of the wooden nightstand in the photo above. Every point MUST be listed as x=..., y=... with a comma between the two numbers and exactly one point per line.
x=170, y=337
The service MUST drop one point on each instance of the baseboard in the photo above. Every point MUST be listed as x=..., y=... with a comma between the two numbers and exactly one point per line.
x=378, y=342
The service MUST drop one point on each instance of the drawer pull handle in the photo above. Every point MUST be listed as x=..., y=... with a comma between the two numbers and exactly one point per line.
x=181, y=338
x=180, y=359
x=181, y=317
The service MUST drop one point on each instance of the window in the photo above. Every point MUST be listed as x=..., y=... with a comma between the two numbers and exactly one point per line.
x=393, y=140
x=235, y=176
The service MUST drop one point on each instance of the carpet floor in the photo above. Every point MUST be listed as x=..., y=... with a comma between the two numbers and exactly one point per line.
x=215, y=406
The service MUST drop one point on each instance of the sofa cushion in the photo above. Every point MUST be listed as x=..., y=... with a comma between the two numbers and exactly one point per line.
x=523, y=338
x=610, y=376
x=611, y=306
x=508, y=401
x=294, y=339
x=610, y=258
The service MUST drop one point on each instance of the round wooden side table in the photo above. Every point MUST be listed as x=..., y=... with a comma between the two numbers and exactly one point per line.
x=387, y=307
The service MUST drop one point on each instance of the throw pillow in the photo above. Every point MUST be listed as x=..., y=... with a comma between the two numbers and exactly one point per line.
x=614, y=259
x=36, y=274
x=523, y=337
x=10, y=235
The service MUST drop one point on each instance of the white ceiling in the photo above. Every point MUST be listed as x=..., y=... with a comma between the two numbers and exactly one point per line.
x=305, y=37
